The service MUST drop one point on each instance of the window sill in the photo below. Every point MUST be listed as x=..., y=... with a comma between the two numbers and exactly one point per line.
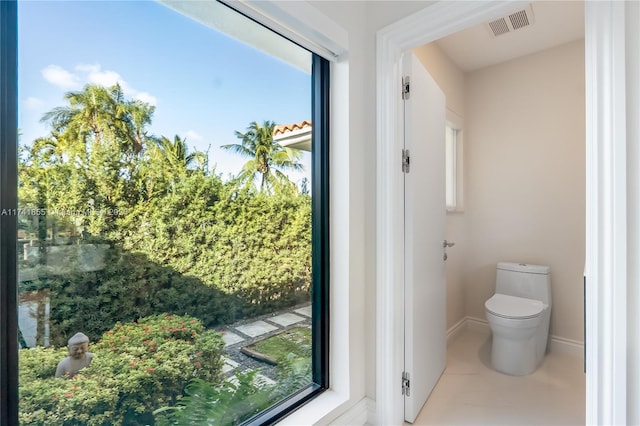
x=320, y=410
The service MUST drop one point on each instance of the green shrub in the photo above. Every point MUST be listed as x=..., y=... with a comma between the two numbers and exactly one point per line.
x=40, y=363
x=137, y=368
x=254, y=246
x=234, y=401
x=206, y=248
x=129, y=287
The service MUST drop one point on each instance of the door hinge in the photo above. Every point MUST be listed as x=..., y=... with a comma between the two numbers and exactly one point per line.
x=405, y=161
x=406, y=87
x=406, y=384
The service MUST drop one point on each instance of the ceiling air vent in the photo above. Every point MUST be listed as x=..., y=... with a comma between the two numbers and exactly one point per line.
x=506, y=24
x=499, y=27
x=519, y=19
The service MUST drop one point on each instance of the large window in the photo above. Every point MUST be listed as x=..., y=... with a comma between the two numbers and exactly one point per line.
x=165, y=226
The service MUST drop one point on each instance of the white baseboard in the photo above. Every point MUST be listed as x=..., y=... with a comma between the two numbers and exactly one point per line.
x=362, y=413
x=557, y=344
x=566, y=346
x=478, y=325
x=454, y=331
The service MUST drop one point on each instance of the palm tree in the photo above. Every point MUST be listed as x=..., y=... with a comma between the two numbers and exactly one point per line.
x=97, y=113
x=167, y=162
x=175, y=154
x=267, y=158
x=88, y=114
x=131, y=119
x=102, y=134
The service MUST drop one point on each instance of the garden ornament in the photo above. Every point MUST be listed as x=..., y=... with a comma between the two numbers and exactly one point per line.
x=78, y=358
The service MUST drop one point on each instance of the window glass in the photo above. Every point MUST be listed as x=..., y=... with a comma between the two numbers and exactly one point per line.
x=451, y=166
x=167, y=251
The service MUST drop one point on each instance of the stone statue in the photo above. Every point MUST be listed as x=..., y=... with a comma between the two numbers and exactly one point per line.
x=78, y=358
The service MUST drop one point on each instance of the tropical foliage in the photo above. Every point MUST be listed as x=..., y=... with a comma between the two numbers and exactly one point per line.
x=232, y=402
x=175, y=236
x=252, y=259
x=268, y=160
x=136, y=369
x=125, y=226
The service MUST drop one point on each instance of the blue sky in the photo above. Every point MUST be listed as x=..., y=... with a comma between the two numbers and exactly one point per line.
x=203, y=84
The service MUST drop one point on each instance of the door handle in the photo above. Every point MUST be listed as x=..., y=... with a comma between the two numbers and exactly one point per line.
x=446, y=244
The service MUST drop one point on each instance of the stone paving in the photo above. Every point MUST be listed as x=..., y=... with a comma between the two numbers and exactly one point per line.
x=244, y=333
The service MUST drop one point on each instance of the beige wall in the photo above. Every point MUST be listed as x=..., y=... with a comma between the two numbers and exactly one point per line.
x=446, y=73
x=452, y=82
x=525, y=177
x=552, y=241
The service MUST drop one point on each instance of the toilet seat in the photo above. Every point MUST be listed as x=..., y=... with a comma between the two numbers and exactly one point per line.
x=514, y=307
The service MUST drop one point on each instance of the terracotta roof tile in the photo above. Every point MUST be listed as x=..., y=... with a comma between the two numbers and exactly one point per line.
x=287, y=128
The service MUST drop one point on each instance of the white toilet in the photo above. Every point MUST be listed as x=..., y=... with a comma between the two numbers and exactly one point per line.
x=518, y=314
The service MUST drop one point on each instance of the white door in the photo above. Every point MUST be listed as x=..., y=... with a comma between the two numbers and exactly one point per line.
x=425, y=293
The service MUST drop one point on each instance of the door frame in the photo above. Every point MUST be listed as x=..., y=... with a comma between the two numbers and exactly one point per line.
x=606, y=227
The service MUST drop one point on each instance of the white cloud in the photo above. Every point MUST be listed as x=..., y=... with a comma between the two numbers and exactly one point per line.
x=60, y=77
x=145, y=97
x=93, y=74
x=87, y=68
x=32, y=103
x=106, y=78
x=193, y=136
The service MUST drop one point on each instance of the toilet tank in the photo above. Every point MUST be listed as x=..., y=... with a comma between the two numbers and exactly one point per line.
x=524, y=280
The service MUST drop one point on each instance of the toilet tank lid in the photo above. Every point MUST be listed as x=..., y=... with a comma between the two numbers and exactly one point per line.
x=524, y=267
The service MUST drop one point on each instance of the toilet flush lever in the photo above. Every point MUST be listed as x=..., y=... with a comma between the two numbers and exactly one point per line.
x=446, y=244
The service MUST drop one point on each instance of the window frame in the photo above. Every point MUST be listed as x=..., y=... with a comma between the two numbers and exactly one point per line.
x=450, y=166
x=8, y=222
x=320, y=285
x=456, y=124
x=320, y=245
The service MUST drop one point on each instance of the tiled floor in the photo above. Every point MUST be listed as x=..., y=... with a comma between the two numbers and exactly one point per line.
x=471, y=393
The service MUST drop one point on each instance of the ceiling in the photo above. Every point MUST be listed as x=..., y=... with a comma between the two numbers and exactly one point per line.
x=554, y=23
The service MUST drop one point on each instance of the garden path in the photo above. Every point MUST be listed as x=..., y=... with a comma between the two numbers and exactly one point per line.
x=246, y=332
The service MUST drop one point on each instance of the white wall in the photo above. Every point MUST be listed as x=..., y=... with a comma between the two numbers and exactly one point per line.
x=362, y=20
x=514, y=118
x=452, y=82
x=525, y=177
x=633, y=212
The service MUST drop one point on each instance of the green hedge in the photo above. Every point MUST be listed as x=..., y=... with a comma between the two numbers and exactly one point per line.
x=220, y=255
x=137, y=368
x=130, y=287
x=251, y=245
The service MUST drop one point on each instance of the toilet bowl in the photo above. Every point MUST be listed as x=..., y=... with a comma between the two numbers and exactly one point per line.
x=519, y=337
x=518, y=315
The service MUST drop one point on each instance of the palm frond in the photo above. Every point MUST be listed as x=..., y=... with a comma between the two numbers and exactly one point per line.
x=238, y=149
